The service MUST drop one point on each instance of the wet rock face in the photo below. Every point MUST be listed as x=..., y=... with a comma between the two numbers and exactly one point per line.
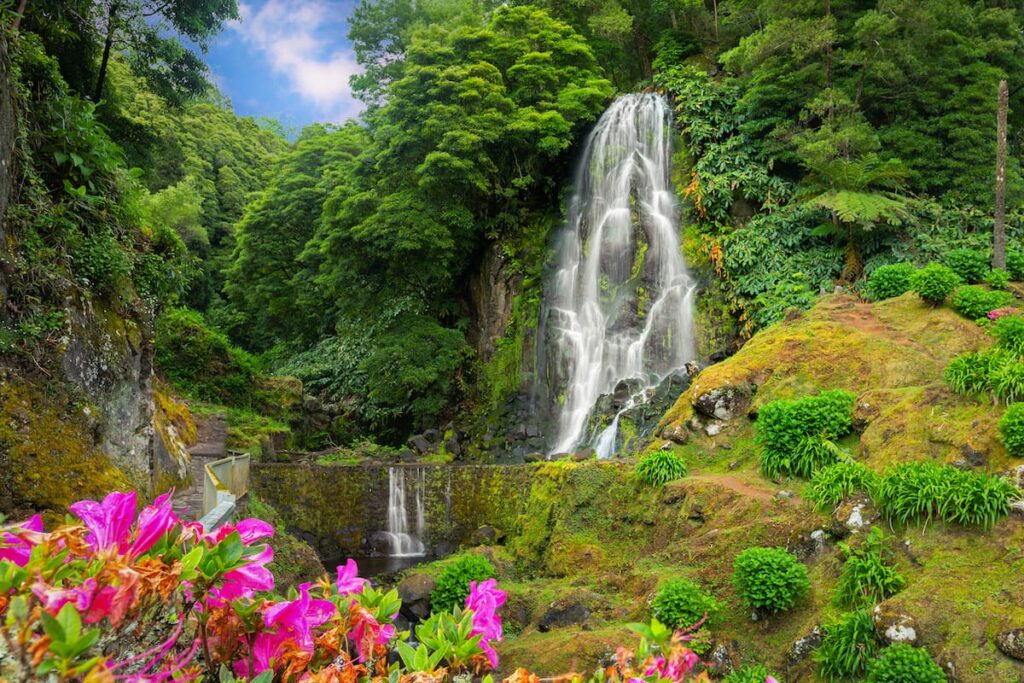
x=415, y=590
x=722, y=403
x=559, y=615
x=893, y=626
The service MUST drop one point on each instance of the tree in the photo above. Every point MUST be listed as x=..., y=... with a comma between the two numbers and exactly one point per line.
x=999, y=229
x=128, y=25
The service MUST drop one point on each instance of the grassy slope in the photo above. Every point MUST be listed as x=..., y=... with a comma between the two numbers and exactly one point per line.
x=593, y=535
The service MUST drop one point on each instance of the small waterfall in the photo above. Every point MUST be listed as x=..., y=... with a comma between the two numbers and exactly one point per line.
x=620, y=305
x=404, y=543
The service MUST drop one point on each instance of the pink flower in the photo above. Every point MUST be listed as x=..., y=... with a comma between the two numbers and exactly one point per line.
x=154, y=521
x=15, y=548
x=998, y=313
x=292, y=621
x=251, y=530
x=247, y=579
x=368, y=633
x=770, y=679
x=349, y=582
x=484, y=600
x=53, y=598
x=109, y=522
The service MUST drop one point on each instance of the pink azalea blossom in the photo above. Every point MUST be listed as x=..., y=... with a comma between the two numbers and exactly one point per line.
x=53, y=598
x=368, y=633
x=246, y=580
x=154, y=521
x=14, y=547
x=484, y=600
x=998, y=313
x=770, y=679
x=291, y=621
x=349, y=582
x=251, y=530
x=109, y=522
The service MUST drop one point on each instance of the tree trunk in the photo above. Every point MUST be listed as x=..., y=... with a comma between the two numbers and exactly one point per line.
x=19, y=14
x=999, y=230
x=107, y=45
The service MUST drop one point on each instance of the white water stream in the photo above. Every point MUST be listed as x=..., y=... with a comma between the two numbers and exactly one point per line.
x=621, y=301
x=403, y=542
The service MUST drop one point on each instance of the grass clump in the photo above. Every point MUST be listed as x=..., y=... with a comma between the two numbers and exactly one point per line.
x=796, y=437
x=886, y=282
x=868, y=576
x=1009, y=334
x=680, y=603
x=1011, y=430
x=970, y=265
x=847, y=647
x=661, y=467
x=769, y=579
x=755, y=673
x=974, y=302
x=832, y=483
x=912, y=491
x=902, y=663
x=934, y=283
x=452, y=587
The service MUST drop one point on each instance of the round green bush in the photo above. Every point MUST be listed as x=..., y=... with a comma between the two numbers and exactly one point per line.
x=997, y=278
x=970, y=264
x=886, y=282
x=1015, y=265
x=756, y=673
x=1011, y=429
x=452, y=587
x=661, y=467
x=974, y=302
x=902, y=663
x=796, y=436
x=769, y=579
x=847, y=646
x=680, y=603
x=1009, y=333
x=934, y=283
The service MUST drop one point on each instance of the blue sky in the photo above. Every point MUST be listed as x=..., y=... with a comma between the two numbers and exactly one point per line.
x=288, y=59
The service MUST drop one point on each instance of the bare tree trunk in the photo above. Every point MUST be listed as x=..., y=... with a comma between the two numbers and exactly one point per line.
x=19, y=14
x=714, y=5
x=999, y=230
x=107, y=45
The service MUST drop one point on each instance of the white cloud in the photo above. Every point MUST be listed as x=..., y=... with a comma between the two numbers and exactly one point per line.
x=299, y=39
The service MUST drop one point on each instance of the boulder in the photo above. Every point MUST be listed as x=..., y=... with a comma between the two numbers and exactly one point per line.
x=719, y=661
x=804, y=647
x=722, y=403
x=485, y=535
x=414, y=590
x=563, y=615
x=893, y=626
x=379, y=542
x=534, y=457
x=420, y=443
x=1011, y=643
x=584, y=455
x=676, y=433
x=854, y=514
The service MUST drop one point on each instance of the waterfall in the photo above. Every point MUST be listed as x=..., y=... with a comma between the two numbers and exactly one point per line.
x=404, y=543
x=620, y=304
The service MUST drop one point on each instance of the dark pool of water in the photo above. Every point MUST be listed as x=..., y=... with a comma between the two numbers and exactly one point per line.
x=378, y=565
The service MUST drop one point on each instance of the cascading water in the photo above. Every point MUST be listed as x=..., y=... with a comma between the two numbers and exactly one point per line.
x=620, y=305
x=403, y=542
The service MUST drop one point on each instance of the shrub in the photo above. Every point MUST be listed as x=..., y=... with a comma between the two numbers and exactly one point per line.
x=910, y=491
x=970, y=264
x=1009, y=333
x=868, y=576
x=661, y=467
x=997, y=278
x=974, y=302
x=796, y=436
x=756, y=673
x=1006, y=379
x=969, y=373
x=831, y=484
x=1015, y=264
x=888, y=281
x=769, y=579
x=680, y=603
x=934, y=283
x=902, y=663
x=452, y=587
x=1011, y=429
x=847, y=646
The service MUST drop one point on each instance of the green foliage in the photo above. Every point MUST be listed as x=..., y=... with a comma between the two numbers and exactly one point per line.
x=969, y=373
x=997, y=278
x=1009, y=333
x=868, y=576
x=769, y=579
x=974, y=302
x=934, y=283
x=902, y=663
x=661, y=467
x=1006, y=378
x=831, y=484
x=680, y=603
x=752, y=673
x=888, y=281
x=847, y=646
x=796, y=436
x=1011, y=429
x=916, y=490
x=1015, y=264
x=200, y=361
x=970, y=264
x=453, y=584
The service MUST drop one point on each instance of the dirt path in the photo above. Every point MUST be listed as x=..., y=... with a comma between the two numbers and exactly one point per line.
x=212, y=445
x=739, y=486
